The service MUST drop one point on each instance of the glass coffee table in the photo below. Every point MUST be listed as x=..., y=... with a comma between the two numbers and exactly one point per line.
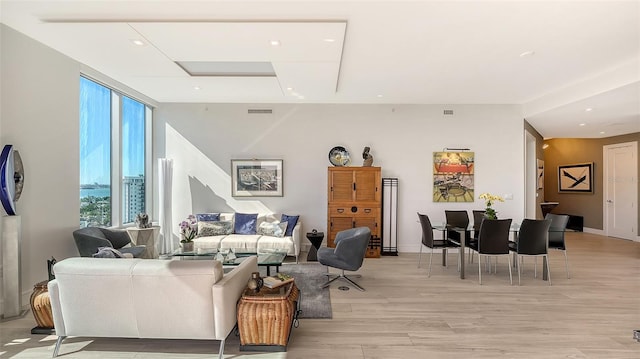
x=233, y=257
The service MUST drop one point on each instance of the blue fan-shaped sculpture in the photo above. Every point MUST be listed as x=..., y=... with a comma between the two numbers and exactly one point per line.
x=11, y=179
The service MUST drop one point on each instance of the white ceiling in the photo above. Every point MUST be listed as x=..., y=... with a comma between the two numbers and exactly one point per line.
x=586, y=54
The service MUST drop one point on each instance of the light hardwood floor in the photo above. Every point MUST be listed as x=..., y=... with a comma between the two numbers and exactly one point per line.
x=404, y=314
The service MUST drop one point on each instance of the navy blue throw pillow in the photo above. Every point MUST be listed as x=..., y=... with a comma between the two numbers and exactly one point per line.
x=245, y=223
x=292, y=221
x=208, y=217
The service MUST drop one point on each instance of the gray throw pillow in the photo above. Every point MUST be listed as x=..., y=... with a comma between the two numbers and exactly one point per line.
x=108, y=252
x=216, y=228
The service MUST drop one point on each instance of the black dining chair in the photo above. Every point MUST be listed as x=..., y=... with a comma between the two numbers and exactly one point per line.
x=428, y=241
x=533, y=240
x=459, y=219
x=493, y=241
x=478, y=216
x=556, y=235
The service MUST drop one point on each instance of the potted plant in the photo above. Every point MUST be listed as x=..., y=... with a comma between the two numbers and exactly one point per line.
x=489, y=199
x=188, y=231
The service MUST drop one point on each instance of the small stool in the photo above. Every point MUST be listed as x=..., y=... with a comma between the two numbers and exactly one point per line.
x=316, y=239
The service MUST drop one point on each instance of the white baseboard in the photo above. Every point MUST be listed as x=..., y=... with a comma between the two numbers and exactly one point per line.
x=593, y=231
x=602, y=233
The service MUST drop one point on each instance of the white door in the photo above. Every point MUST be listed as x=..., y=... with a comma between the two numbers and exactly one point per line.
x=621, y=186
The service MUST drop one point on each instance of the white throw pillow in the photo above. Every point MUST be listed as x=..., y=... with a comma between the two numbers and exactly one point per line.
x=273, y=229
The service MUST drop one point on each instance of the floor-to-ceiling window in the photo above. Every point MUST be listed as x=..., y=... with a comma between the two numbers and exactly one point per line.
x=113, y=156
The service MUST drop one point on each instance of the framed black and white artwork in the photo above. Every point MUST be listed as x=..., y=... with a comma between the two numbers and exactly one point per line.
x=256, y=178
x=576, y=178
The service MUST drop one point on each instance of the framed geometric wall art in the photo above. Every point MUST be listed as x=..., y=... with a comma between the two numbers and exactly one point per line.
x=540, y=174
x=453, y=177
x=256, y=178
x=576, y=178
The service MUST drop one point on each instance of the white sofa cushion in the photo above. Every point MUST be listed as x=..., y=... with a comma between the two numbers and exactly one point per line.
x=212, y=242
x=248, y=242
x=174, y=279
x=98, y=280
x=285, y=244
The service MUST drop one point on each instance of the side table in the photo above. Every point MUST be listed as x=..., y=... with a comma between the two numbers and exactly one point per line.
x=316, y=239
x=146, y=236
x=265, y=318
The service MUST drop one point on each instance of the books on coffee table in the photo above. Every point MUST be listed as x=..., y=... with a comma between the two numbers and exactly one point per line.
x=277, y=281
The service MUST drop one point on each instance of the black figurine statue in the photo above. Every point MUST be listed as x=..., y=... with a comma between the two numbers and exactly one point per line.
x=368, y=159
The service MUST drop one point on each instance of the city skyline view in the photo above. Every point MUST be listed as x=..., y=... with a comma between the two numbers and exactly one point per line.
x=95, y=134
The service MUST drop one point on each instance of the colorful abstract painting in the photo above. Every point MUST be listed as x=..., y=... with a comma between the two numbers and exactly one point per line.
x=453, y=174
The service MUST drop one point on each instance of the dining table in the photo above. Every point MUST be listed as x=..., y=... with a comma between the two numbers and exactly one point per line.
x=462, y=232
x=514, y=229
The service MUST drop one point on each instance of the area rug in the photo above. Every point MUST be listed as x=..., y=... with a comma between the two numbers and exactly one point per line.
x=315, y=301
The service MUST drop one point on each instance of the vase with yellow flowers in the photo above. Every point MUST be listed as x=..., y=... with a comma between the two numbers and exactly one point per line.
x=489, y=199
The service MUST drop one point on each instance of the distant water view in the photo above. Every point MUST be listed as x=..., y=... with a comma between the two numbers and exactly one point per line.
x=95, y=192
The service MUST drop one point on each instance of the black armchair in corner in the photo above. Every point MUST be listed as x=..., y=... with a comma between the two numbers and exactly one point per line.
x=351, y=247
x=89, y=239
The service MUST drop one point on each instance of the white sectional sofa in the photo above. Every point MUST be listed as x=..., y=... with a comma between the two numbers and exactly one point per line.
x=254, y=243
x=146, y=298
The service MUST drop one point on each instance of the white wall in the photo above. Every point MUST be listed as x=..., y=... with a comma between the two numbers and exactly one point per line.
x=203, y=138
x=39, y=116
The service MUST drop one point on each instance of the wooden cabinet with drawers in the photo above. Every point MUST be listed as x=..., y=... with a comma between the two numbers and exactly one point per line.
x=354, y=195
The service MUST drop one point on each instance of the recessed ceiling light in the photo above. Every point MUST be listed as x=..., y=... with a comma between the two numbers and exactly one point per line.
x=582, y=124
x=138, y=42
x=527, y=53
x=196, y=88
x=275, y=43
x=602, y=132
x=329, y=40
x=379, y=96
x=289, y=88
x=589, y=109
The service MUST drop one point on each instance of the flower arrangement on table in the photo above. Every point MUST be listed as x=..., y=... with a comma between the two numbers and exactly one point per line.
x=489, y=199
x=188, y=229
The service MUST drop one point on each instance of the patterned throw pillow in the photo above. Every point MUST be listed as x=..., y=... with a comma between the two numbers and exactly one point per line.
x=273, y=229
x=109, y=252
x=218, y=228
x=208, y=217
x=292, y=221
x=245, y=223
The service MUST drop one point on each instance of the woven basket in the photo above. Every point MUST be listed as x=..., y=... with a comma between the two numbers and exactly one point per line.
x=265, y=318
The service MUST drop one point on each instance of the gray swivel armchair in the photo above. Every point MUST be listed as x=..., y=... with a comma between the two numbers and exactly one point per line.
x=351, y=246
x=89, y=239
